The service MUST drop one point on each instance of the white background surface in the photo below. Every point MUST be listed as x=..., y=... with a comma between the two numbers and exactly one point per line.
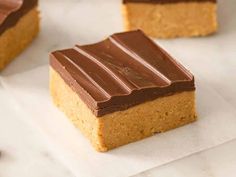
x=27, y=150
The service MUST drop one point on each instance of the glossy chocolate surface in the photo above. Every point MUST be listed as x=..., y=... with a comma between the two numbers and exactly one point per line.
x=165, y=1
x=122, y=71
x=12, y=10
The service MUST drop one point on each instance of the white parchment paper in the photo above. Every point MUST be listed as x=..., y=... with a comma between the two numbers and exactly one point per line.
x=216, y=125
x=211, y=59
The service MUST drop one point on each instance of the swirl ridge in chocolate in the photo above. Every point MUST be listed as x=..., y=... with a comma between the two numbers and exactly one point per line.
x=12, y=10
x=122, y=71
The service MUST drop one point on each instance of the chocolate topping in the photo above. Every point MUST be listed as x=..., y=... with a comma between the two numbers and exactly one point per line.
x=166, y=1
x=12, y=10
x=122, y=71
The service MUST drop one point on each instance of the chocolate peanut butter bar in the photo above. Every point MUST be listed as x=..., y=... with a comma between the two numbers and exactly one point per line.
x=19, y=25
x=122, y=89
x=171, y=18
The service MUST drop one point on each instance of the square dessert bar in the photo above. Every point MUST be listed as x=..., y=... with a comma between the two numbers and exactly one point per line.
x=171, y=18
x=19, y=25
x=122, y=89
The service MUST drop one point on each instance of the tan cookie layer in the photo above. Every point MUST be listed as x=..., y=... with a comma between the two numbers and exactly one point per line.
x=123, y=127
x=15, y=39
x=172, y=19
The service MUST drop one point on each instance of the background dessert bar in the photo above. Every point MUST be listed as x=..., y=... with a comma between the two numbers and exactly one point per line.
x=19, y=25
x=171, y=18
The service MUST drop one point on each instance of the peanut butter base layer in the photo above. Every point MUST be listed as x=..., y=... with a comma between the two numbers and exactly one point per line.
x=183, y=19
x=15, y=39
x=123, y=127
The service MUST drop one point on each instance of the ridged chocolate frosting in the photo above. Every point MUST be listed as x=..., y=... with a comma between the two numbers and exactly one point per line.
x=12, y=10
x=122, y=71
x=166, y=1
